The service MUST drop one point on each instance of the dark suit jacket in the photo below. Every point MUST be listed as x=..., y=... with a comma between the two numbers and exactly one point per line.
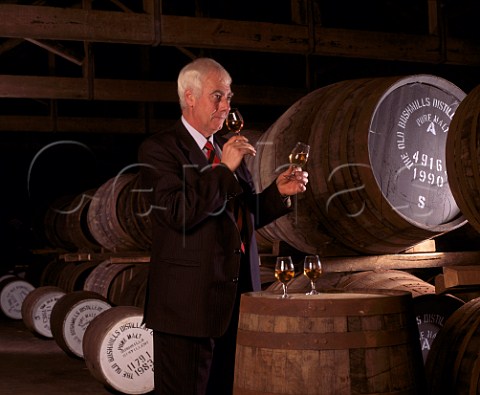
x=195, y=263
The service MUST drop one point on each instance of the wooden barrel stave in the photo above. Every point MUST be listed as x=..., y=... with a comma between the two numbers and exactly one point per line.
x=51, y=273
x=55, y=224
x=444, y=370
x=78, y=276
x=111, y=280
x=134, y=293
x=77, y=223
x=463, y=157
x=387, y=279
x=102, y=215
x=138, y=225
x=66, y=272
x=112, y=215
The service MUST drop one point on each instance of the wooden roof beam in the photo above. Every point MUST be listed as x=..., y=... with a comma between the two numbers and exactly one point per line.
x=84, y=124
x=11, y=123
x=54, y=23
x=33, y=87
x=144, y=29
x=58, y=49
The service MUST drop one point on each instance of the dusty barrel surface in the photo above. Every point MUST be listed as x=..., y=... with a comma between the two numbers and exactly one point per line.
x=13, y=291
x=463, y=157
x=431, y=310
x=75, y=281
x=71, y=316
x=328, y=344
x=66, y=223
x=452, y=364
x=118, y=350
x=137, y=220
x=77, y=223
x=37, y=309
x=55, y=224
x=378, y=181
x=112, y=280
x=51, y=272
x=134, y=293
x=70, y=276
x=115, y=215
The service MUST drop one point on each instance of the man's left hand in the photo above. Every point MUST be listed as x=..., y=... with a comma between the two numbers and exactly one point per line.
x=292, y=181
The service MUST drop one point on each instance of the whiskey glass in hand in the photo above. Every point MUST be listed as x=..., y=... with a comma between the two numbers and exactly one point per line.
x=298, y=157
x=234, y=121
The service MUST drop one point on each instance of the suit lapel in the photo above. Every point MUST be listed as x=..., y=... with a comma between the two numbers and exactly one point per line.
x=190, y=147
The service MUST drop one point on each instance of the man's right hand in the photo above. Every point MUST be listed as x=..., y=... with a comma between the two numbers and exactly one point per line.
x=234, y=150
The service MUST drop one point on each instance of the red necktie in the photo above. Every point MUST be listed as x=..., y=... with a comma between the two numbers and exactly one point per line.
x=238, y=213
x=212, y=157
x=214, y=160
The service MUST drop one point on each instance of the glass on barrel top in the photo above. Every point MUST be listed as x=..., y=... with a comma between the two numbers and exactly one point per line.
x=284, y=272
x=312, y=269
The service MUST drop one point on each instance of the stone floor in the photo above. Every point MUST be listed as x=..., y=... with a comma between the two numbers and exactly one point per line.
x=30, y=365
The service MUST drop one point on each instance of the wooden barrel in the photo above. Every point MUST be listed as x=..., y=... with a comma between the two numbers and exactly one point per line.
x=134, y=294
x=452, y=365
x=51, y=272
x=136, y=220
x=387, y=279
x=13, y=291
x=377, y=172
x=431, y=310
x=77, y=222
x=79, y=274
x=115, y=215
x=111, y=280
x=37, y=309
x=66, y=225
x=55, y=224
x=71, y=316
x=70, y=276
x=118, y=350
x=65, y=273
x=328, y=344
x=463, y=157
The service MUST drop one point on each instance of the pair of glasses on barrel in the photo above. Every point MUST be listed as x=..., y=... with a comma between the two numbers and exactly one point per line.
x=298, y=156
x=285, y=271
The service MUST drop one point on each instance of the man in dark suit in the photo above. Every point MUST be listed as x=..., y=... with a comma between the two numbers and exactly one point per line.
x=202, y=257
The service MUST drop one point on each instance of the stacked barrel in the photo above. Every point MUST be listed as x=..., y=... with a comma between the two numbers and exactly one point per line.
x=112, y=218
x=93, y=310
x=377, y=166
